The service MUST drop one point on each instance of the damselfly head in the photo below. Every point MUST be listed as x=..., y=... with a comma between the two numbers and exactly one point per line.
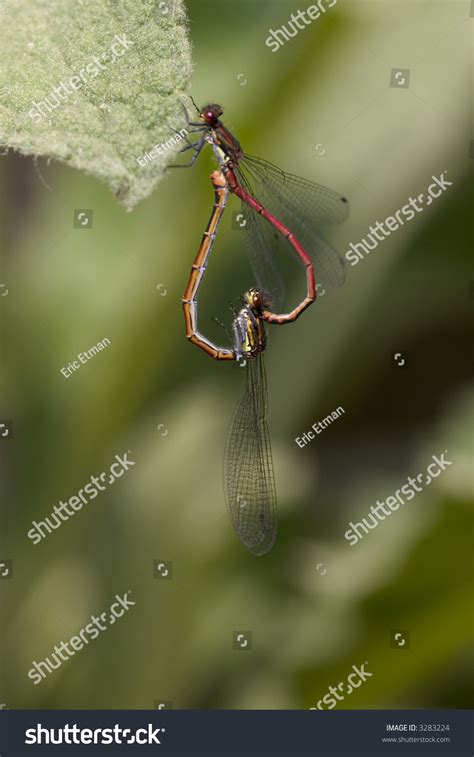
x=257, y=299
x=210, y=113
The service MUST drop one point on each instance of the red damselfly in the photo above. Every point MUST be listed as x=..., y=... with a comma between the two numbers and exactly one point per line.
x=271, y=199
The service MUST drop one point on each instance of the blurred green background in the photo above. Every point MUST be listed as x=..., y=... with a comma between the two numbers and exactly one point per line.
x=327, y=89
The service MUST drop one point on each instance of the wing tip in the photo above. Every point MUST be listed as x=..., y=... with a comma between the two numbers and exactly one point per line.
x=262, y=547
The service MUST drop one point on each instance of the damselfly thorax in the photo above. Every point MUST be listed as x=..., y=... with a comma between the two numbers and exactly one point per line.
x=248, y=327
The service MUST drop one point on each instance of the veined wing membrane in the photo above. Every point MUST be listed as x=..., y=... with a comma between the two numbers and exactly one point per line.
x=249, y=482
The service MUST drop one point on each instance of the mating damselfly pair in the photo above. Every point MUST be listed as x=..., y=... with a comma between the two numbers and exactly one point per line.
x=273, y=202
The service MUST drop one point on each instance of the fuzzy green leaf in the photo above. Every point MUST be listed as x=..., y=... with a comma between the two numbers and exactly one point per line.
x=96, y=84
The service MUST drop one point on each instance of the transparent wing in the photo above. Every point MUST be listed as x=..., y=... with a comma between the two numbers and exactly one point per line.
x=262, y=240
x=249, y=482
x=314, y=202
x=303, y=206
